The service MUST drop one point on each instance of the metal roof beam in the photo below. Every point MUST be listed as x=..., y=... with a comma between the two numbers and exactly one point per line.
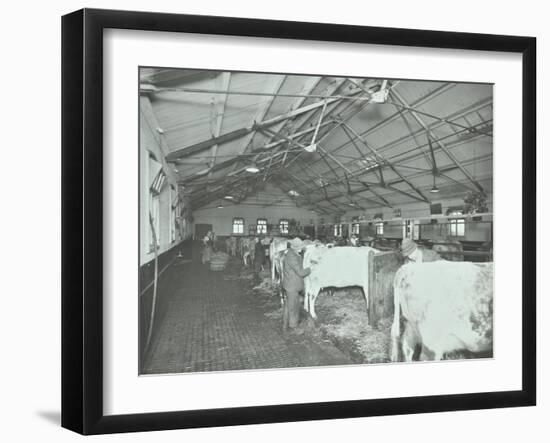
x=383, y=161
x=238, y=133
x=439, y=142
x=262, y=113
x=388, y=120
x=218, y=109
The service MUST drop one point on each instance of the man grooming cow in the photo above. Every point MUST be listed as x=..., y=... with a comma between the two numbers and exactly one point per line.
x=259, y=258
x=293, y=283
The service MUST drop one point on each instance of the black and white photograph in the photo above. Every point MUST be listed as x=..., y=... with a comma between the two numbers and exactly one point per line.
x=298, y=221
x=275, y=222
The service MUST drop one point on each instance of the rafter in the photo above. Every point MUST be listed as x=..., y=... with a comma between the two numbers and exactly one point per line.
x=146, y=109
x=440, y=143
x=330, y=89
x=262, y=113
x=340, y=121
x=308, y=87
x=238, y=133
x=218, y=109
x=433, y=94
x=384, y=161
x=451, y=123
x=349, y=173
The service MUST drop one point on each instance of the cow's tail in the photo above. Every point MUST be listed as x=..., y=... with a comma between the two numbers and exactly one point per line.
x=395, y=328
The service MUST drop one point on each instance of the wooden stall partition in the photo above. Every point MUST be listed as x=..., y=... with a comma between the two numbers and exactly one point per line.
x=382, y=269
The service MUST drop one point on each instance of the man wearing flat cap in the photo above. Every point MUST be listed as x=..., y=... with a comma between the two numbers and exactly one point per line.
x=412, y=253
x=293, y=283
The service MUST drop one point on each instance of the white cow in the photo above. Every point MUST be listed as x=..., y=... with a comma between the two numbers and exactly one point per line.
x=277, y=245
x=248, y=249
x=337, y=267
x=447, y=306
x=231, y=246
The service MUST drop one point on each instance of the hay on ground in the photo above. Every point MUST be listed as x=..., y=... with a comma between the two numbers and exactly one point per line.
x=344, y=319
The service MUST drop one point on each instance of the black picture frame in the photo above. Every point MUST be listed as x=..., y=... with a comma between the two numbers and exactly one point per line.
x=82, y=218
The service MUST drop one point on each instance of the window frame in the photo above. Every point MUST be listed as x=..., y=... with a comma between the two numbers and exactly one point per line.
x=154, y=212
x=241, y=224
x=455, y=223
x=263, y=225
x=281, y=222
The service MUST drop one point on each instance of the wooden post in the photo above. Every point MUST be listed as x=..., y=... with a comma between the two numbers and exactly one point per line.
x=373, y=318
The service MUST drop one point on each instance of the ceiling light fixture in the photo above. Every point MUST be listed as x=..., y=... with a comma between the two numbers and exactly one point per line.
x=253, y=168
x=435, y=171
x=229, y=197
x=434, y=187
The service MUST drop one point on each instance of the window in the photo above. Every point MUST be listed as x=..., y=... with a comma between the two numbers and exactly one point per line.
x=157, y=183
x=457, y=227
x=380, y=228
x=174, y=206
x=283, y=226
x=338, y=230
x=261, y=226
x=154, y=216
x=355, y=228
x=238, y=226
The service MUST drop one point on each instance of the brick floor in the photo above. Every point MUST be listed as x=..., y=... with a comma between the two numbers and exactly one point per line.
x=215, y=324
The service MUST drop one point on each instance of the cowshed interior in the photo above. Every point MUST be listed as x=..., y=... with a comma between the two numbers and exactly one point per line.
x=273, y=155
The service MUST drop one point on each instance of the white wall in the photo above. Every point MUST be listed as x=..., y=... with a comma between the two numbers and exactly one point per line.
x=30, y=373
x=151, y=142
x=222, y=219
x=251, y=209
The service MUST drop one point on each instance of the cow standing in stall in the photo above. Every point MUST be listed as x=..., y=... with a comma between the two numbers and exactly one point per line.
x=449, y=250
x=337, y=267
x=231, y=246
x=248, y=250
x=446, y=306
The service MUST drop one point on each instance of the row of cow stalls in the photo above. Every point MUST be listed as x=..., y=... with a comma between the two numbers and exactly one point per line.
x=467, y=238
x=230, y=160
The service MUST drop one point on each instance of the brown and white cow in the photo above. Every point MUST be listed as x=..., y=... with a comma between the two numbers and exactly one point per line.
x=447, y=307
